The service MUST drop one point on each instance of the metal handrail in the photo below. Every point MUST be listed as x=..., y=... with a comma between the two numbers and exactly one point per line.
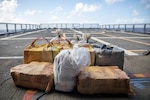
x=6, y=28
x=138, y=27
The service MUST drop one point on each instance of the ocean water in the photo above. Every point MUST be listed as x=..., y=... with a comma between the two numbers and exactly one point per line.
x=10, y=31
x=13, y=31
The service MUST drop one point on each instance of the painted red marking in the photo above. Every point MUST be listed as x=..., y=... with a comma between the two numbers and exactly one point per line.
x=139, y=75
x=29, y=95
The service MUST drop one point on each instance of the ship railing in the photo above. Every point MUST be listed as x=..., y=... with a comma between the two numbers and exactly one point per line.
x=11, y=28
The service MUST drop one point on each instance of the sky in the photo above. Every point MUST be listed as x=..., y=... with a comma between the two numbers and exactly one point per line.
x=75, y=11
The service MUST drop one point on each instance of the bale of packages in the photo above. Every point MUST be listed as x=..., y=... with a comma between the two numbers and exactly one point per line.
x=111, y=56
x=67, y=65
x=96, y=79
x=35, y=75
x=91, y=51
x=45, y=52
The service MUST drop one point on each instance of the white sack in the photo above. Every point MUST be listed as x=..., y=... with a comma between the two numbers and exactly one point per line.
x=67, y=65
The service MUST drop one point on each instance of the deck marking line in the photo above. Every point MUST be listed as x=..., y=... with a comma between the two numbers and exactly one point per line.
x=128, y=39
x=136, y=34
x=129, y=33
x=137, y=50
x=107, y=43
x=139, y=75
x=12, y=57
x=20, y=35
x=32, y=38
x=125, y=37
x=29, y=95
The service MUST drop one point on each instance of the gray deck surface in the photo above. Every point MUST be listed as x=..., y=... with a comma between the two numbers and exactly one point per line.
x=11, y=54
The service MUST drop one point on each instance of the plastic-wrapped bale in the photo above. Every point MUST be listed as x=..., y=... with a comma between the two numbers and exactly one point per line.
x=109, y=57
x=67, y=65
x=91, y=51
x=111, y=80
x=35, y=75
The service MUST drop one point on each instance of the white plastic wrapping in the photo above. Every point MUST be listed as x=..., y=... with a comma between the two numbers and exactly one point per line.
x=67, y=65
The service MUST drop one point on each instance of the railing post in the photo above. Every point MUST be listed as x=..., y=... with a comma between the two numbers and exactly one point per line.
x=15, y=28
x=119, y=27
x=133, y=30
x=113, y=27
x=30, y=27
x=21, y=27
x=125, y=28
x=109, y=27
x=26, y=26
x=39, y=26
x=61, y=25
x=7, y=28
x=56, y=25
x=144, y=28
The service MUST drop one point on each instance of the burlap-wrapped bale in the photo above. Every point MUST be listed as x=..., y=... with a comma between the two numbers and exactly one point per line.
x=43, y=52
x=101, y=79
x=35, y=75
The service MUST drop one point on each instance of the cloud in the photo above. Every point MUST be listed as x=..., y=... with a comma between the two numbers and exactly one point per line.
x=55, y=13
x=131, y=20
x=113, y=1
x=80, y=7
x=32, y=12
x=148, y=6
x=146, y=3
x=81, y=12
x=54, y=17
x=56, y=10
x=7, y=10
x=135, y=13
x=19, y=20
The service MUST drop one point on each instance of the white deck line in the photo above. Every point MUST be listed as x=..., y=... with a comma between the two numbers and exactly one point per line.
x=107, y=43
x=32, y=38
x=12, y=57
x=20, y=35
x=130, y=33
x=125, y=37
